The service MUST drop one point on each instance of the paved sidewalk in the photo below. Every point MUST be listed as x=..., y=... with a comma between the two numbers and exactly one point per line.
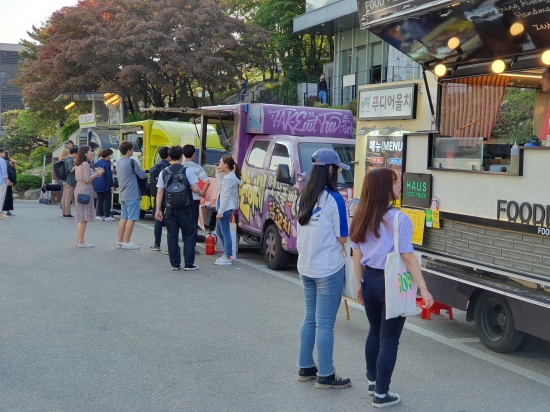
x=105, y=329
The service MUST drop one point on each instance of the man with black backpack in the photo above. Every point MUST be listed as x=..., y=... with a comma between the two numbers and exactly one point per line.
x=175, y=185
x=154, y=174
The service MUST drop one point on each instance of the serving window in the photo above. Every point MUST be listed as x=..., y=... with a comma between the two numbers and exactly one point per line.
x=484, y=120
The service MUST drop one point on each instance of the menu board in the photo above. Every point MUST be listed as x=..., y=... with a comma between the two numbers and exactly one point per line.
x=384, y=151
x=418, y=218
x=374, y=12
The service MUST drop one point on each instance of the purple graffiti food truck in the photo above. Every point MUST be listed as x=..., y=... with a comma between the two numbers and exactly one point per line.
x=273, y=145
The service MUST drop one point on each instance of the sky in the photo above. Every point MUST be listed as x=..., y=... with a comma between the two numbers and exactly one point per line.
x=18, y=16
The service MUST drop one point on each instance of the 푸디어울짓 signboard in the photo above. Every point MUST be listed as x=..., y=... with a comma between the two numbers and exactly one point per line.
x=389, y=102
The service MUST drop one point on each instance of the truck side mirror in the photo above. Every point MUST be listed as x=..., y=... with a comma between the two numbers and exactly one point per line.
x=283, y=175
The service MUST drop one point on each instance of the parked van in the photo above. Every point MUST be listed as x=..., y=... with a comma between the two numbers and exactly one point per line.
x=273, y=145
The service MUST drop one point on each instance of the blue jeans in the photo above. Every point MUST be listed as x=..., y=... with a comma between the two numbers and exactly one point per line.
x=224, y=233
x=323, y=96
x=383, y=338
x=176, y=220
x=322, y=298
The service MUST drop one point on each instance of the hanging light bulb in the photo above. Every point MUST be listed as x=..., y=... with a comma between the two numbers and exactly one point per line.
x=498, y=66
x=546, y=57
x=440, y=70
x=517, y=28
x=70, y=106
x=453, y=43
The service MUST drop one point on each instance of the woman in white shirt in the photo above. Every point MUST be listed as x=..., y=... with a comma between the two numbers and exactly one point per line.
x=322, y=232
x=228, y=201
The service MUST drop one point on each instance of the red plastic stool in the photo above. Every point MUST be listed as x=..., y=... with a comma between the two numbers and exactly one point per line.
x=435, y=309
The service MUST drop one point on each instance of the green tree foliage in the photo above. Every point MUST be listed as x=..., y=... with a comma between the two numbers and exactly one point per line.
x=301, y=56
x=27, y=182
x=152, y=51
x=24, y=132
x=37, y=156
x=514, y=122
x=67, y=130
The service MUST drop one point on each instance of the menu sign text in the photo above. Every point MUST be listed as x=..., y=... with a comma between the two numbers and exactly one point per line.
x=398, y=102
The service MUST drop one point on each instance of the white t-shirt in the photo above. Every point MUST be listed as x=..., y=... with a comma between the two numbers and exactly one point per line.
x=191, y=177
x=319, y=252
x=199, y=172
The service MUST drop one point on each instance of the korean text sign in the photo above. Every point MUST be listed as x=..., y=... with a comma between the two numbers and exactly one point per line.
x=389, y=102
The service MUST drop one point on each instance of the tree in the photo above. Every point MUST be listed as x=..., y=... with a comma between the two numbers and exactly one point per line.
x=154, y=52
x=24, y=132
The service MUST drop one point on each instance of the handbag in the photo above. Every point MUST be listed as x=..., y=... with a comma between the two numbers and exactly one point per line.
x=400, y=287
x=83, y=198
x=233, y=233
x=350, y=282
x=142, y=183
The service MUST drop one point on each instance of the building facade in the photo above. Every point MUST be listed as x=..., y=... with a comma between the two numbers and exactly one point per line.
x=10, y=95
x=360, y=56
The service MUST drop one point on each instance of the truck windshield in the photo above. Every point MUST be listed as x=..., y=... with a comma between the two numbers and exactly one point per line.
x=345, y=151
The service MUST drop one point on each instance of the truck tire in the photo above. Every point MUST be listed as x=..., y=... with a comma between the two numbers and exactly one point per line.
x=275, y=256
x=495, y=323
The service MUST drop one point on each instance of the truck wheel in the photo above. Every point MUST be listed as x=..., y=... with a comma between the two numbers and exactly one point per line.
x=275, y=256
x=495, y=323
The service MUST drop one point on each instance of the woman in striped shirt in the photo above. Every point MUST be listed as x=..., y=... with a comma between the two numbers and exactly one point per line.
x=371, y=234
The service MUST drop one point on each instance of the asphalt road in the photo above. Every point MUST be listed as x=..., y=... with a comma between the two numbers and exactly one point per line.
x=105, y=329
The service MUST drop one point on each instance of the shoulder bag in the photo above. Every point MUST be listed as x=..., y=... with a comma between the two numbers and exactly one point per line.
x=400, y=287
x=142, y=183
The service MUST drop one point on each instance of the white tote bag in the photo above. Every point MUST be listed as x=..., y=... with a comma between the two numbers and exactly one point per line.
x=400, y=288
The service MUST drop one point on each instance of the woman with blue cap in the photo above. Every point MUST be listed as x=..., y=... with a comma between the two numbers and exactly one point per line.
x=322, y=232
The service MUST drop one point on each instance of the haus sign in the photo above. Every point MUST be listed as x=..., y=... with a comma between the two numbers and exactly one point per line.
x=417, y=190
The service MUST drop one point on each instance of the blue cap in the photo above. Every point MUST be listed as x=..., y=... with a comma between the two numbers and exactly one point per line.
x=326, y=156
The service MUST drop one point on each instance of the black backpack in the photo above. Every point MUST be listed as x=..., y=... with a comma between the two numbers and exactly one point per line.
x=177, y=187
x=154, y=175
x=60, y=170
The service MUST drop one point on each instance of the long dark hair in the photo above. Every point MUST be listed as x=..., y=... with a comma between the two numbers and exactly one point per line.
x=377, y=198
x=230, y=162
x=319, y=178
x=81, y=155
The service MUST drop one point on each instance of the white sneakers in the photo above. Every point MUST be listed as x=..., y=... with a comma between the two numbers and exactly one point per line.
x=83, y=244
x=128, y=246
x=105, y=219
x=223, y=261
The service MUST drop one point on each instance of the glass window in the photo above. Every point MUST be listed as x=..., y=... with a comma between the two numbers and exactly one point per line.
x=345, y=62
x=360, y=37
x=280, y=156
x=257, y=154
x=346, y=152
x=346, y=42
x=361, y=64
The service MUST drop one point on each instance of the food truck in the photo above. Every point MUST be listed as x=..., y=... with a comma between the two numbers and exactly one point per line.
x=489, y=254
x=273, y=145
x=149, y=136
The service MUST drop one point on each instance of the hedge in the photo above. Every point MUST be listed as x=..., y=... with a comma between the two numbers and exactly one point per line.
x=27, y=182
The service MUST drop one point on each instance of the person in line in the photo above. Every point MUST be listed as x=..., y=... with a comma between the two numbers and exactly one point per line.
x=154, y=174
x=70, y=183
x=188, y=161
x=5, y=182
x=84, y=212
x=64, y=153
x=322, y=232
x=322, y=89
x=228, y=201
x=128, y=171
x=104, y=186
x=182, y=218
x=372, y=240
x=12, y=176
x=70, y=144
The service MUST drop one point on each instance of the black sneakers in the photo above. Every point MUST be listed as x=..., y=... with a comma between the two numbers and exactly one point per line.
x=306, y=374
x=389, y=400
x=370, y=389
x=332, y=381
